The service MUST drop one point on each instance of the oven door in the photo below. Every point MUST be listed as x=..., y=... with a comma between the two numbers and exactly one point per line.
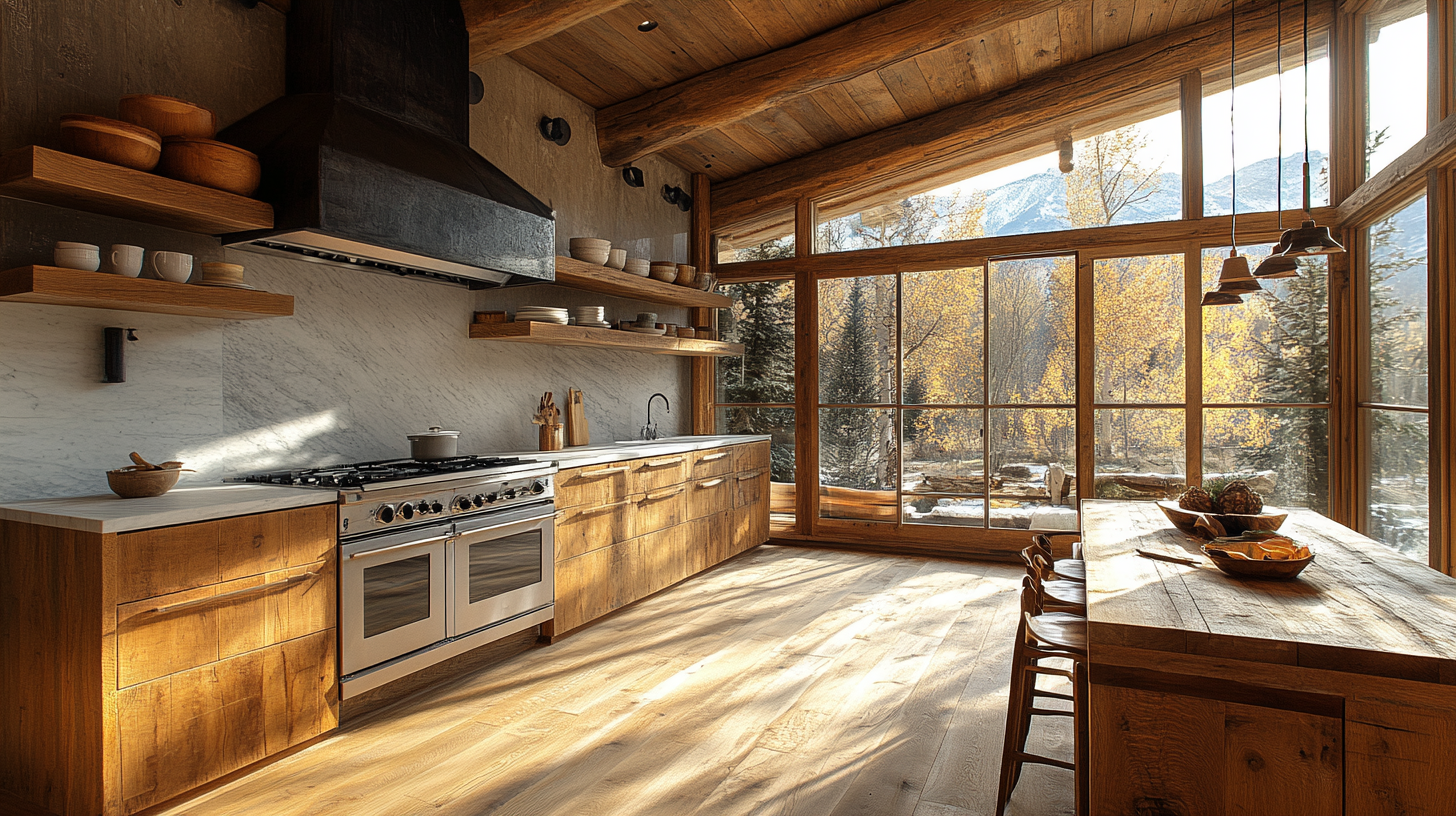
x=504, y=565
x=391, y=596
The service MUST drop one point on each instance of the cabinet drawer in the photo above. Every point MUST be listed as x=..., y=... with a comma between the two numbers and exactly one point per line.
x=750, y=488
x=749, y=457
x=658, y=472
x=171, y=559
x=707, y=496
x=187, y=729
x=584, y=528
x=716, y=462
x=706, y=540
x=597, y=485
x=183, y=630
x=658, y=510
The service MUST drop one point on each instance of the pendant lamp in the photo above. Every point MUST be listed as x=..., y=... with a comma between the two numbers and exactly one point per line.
x=1234, y=279
x=1309, y=238
x=1278, y=265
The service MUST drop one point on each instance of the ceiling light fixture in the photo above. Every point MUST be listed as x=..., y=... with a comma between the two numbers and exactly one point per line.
x=1279, y=265
x=1234, y=280
x=1309, y=238
x=646, y=26
x=556, y=130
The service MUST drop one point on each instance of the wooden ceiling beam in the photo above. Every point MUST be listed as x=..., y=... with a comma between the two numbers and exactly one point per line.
x=501, y=26
x=1006, y=121
x=659, y=119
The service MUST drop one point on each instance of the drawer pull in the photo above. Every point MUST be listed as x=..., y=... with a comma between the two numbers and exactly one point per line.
x=591, y=511
x=709, y=484
x=603, y=472
x=657, y=463
x=713, y=457
x=292, y=579
x=660, y=496
x=743, y=477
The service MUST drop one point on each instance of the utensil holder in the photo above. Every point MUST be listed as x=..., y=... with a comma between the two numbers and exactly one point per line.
x=553, y=437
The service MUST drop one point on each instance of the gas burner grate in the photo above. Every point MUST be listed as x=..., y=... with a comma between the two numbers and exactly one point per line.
x=385, y=470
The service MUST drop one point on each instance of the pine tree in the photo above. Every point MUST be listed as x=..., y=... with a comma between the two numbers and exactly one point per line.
x=763, y=321
x=847, y=435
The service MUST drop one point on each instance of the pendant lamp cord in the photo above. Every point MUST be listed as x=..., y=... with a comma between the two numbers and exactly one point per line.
x=1233, y=156
x=1279, y=74
x=1306, y=106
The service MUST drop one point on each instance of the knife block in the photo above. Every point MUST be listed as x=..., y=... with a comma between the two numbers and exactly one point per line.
x=553, y=437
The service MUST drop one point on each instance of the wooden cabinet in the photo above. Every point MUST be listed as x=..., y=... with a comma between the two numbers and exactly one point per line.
x=181, y=654
x=681, y=515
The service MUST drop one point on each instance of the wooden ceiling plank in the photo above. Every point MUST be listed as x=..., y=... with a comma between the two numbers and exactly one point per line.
x=699, y=36
x=773, y=22
x=636, y=127
x=548, y=62
x=947, y=71
x=725, y=154
x=994, y=60
x=836, y=101
x=812, y=115
x=912, y=93
x=501, y=26
x=1074, y=21
x=874, y=99
x=1003, y=120
x=1151, y=18
x=1038, y=44
x=665, y=47
x=1111, y=24
x=614, y=51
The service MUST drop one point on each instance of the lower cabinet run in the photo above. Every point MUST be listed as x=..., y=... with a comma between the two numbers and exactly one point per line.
x=153, y=662
x=629, y=529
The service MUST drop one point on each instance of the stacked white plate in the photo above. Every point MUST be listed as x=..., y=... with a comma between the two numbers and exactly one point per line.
x=541, y=314
x=594, y=316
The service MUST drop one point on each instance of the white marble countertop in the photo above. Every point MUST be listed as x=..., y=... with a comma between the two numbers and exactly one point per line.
x=622, y=451
x=112, y=514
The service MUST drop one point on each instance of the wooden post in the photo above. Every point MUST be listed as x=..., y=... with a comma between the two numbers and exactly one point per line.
x=1190, y=95
x=1441, y=315
x=806, y=376
x=703, y=385
x=1086, y=387
x=1193, y=362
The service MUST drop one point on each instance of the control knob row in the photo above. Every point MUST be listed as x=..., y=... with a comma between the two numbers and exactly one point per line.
x=387, y=513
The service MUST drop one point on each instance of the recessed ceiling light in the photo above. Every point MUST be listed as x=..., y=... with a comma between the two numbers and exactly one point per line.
x=646, y=25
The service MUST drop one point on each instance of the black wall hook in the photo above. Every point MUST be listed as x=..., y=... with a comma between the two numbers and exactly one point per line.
x=633, y=176
x=556, y=130
x=677, y=197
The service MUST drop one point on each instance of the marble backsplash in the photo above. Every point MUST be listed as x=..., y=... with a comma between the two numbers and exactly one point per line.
x=366, y=359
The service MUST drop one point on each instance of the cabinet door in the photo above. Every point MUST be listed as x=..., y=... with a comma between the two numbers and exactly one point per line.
x=707, y=541
x=593, y=486
x=583, y=589
x=658, y=510
x=709, y=496
x=1398, y=760
x=1191, y=755
x=751, y=456
x=751, y=488
x=655, y=473
x=187, y=729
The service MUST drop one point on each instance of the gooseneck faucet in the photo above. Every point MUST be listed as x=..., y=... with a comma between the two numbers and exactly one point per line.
x=649, y=431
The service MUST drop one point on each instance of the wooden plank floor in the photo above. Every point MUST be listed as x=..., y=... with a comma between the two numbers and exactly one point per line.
x=786, y=681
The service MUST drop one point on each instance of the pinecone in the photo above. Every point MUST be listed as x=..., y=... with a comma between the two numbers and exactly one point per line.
x=1239, y=499
x=1197, y=500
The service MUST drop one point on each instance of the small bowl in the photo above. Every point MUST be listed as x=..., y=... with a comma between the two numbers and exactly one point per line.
x=1268, y=570
x=640, y=267
x=664, y=271
x=167, y=116
x=110, y=140
x=686, y=331
x=686, y=273
x=617, y=258
x=210, y=163
x=142, y=484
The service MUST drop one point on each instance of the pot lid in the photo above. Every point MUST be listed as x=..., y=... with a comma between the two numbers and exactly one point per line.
x=434, y=431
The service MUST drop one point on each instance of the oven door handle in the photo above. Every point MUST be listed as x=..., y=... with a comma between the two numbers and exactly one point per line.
x=405, y=546
x=533, y=521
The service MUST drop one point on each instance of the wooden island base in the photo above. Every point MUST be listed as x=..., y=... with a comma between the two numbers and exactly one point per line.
x=1333, y=693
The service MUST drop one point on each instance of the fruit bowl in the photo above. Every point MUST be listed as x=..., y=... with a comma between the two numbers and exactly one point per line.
x=1213, y=525
x=1278, y=567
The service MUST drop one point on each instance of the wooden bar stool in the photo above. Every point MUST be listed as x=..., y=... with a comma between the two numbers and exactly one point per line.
x=1041, y=635
x=1057, y=594
x=1070, y=569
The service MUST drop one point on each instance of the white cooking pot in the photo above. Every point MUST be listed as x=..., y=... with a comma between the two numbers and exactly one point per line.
x=434, y=444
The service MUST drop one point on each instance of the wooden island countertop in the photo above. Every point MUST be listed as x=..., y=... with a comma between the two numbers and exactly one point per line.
x=1334, y=692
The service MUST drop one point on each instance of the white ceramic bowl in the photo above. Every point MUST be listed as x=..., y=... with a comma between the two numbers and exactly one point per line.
x=71, y=255
x=616, y=258
x=637, y=266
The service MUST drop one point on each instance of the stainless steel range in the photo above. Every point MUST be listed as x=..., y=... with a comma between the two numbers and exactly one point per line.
x=436, y=558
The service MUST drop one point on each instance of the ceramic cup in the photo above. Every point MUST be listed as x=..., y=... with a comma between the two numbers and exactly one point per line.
x=617, y=258
x=71, y=255
x=172, y=266
x=647, y=319
x=125, y=259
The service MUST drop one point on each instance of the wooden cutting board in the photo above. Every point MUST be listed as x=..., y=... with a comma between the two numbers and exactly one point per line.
x=576, y=430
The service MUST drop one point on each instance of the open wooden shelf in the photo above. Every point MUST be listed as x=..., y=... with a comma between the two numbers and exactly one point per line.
x=55, y=286
x=607, y=281
x=52, y=177
x=553, y=334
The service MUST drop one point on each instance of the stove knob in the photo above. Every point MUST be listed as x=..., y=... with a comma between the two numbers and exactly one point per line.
x=479, y=500
x=538, y=487
x=385, y=514
x=424, y=508
x=462, y=504
x=436, y=507
x=491, y=497
x=406, y=511
x=510, y=493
